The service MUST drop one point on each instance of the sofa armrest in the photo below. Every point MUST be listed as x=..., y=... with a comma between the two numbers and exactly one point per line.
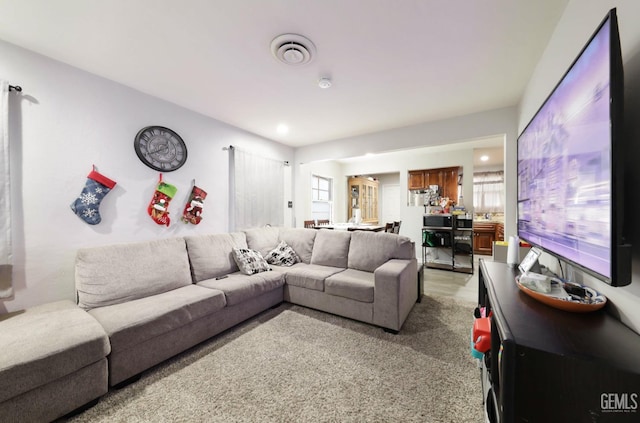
x=395, y=292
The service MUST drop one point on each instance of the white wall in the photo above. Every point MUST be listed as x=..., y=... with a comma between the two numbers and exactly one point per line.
x=65, y=121
x=579, y=21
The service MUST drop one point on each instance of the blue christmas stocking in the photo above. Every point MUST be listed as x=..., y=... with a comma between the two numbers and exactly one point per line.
x=87, y=205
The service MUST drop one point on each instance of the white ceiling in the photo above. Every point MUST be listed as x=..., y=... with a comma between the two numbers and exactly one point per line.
x=392, y=63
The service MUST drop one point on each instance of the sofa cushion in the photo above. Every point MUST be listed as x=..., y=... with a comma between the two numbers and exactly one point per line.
x=354, y=284
x=136, y=321
x=369, y=250
x=239, y=287
x=250, y=261
x=262, y=239
x=310, y=276
x=120, y=273
x=331, y=248
x=301, y=240
x=282, y=255
x=212, y=255
x=45, y=343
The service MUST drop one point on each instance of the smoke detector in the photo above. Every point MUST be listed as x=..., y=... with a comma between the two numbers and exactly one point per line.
x=293, y=49
x=324, y=83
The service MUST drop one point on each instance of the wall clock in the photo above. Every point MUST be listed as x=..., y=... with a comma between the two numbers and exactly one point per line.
x=160, y=148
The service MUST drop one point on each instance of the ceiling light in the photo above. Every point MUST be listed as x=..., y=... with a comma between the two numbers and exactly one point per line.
x=324, y=83
x=484, y=158
x=282, y=129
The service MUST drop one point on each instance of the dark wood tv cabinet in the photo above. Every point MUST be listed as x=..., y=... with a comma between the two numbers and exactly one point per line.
x=549, y=365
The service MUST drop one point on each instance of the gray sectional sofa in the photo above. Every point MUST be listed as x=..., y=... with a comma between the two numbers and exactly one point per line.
x=148, y=301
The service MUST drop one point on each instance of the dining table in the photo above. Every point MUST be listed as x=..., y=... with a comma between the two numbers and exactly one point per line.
x=352, y=227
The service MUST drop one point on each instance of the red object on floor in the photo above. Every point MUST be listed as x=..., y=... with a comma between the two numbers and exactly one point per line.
x=482, y=334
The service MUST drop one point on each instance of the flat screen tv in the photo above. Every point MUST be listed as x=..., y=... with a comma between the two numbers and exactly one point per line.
x=570, y=164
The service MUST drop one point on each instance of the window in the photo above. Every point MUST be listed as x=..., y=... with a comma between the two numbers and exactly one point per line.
x=488, y=192
x=321, y=198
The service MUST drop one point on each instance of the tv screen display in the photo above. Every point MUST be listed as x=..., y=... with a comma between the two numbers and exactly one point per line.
x=567, y=161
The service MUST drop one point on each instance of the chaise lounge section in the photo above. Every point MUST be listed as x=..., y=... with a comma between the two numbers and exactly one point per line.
x=53, y=359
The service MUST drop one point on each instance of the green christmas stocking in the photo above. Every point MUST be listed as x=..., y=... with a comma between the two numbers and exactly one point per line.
x=159, y=206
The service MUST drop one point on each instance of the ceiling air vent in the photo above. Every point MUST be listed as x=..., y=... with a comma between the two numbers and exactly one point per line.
x=293, y=49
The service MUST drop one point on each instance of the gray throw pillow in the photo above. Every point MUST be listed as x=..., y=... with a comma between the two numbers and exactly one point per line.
x=249, y=261
x=283, y=255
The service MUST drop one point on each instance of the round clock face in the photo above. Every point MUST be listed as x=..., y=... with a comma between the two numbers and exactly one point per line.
x=160, y=148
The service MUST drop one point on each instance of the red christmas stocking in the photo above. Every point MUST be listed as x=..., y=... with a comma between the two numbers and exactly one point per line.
x=159, y=206
x=193, y=208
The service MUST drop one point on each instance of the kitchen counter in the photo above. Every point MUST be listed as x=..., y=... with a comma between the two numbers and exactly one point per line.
x=488, y=221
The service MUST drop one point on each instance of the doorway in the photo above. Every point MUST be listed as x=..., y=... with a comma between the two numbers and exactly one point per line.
x=391, y=199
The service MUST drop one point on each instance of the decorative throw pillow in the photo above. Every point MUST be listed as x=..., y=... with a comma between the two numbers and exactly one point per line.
x=283, y=255
x=250, y=261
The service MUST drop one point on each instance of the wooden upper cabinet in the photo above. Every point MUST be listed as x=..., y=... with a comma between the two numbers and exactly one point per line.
x=433, y=177
x=416, y=179
x=446, y=178
x=450, y=183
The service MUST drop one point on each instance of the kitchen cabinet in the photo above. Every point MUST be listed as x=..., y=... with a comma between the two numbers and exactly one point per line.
x=450, y=183
x=500, y=232
x=434, y=177
x=416, y=180
x=363, y=195
x=445, y=178
x=484, y=233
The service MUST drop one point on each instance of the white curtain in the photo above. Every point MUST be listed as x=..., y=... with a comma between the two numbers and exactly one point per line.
x=6, y=289
x=256, y=194
x=488, y=192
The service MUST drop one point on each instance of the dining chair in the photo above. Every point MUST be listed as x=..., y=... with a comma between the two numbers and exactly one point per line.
x=388, y=227
x=396, y=227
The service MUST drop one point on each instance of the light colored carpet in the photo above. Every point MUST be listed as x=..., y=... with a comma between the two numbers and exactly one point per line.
x=293, y=364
